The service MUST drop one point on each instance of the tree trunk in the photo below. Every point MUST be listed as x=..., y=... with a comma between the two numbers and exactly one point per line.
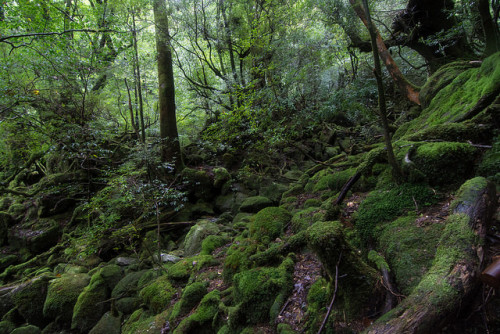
x=381, y=96
x=490, y=29
x=452, y=279
x=404, y=85
x=171, y=150
x=139, y=86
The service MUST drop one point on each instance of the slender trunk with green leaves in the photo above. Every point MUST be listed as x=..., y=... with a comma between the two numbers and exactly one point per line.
x=381, y=97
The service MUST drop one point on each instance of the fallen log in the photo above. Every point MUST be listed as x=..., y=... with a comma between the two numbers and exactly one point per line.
x=453, y=277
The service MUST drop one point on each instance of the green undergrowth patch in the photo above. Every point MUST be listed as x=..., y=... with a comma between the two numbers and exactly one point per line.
x=182, y=270
x=409, y=245
x=385, y=205
x=269, y=223
x=238, y=256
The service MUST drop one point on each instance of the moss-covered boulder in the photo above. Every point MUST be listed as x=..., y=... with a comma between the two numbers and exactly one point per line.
x=221, y=177
x=212, y=242
x=302, y=219
x=29, y=298
x=37, y=238
x=260, y=293
x=182, y=270
x=202, y=320
x=108, y=324
x=327, y=240
x=444, y=162
x=191, y=296
x=128, y=285
x=269, y=223
x=142, y=322
x=490, y=164
x=91, y=304
x=111, y=274
x=409, y=254
x=255, y=203
x=62, y=295
x=29, y=329
x=158, y=294
x=197, y=233
x=6, y=327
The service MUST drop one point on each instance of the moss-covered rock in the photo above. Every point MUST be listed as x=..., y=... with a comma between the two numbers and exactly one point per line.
x=255, y=203
x=269, y=223
x=29, y=298
x=273, y=191
x=111, y=274
x=6, y=327
x=490, y=164
x=197, y=233
x=212, y=242
x=302, y=219
x=260, y=293
x=141, y=322
x=127, y=286
x=409, y=254
x=191, y=296
x=327, y=240
x=158, y=294
x=108, y=324
x=202, y=319
x=62, y=295
x=29, y=329
x=183, y=269
x=198, y=183
x=444, y=162
x=37, y=238
x=238, y=257
x=91, y=304
x=221, y=177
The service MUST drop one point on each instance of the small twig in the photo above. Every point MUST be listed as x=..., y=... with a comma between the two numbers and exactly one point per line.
x=416, y=205
x=334, y=295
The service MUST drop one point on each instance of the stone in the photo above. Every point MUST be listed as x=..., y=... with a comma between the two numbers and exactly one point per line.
x=29, y=298
x=196, y=234
x=108, y=324
x=255, y=204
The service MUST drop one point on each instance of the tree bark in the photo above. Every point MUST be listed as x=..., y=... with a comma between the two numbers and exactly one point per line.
x=171, y=150
x=409, y=90
x=490, y=29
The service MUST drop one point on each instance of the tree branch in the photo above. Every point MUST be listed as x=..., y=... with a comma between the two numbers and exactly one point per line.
x=59, y=33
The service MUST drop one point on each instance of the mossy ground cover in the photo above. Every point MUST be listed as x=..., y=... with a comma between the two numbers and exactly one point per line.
x=387, y=204
x=409, y=247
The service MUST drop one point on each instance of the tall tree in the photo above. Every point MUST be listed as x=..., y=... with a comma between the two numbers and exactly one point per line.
x=171, y=150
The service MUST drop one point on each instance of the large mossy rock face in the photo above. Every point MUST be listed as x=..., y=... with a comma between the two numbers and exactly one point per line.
x=452, y=102
x=29, y=298
x=62, y=295
x=197, y=233
x=91, y=304
x=269, y=223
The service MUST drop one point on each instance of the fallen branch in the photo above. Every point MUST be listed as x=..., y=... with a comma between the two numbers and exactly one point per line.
x=327, y=315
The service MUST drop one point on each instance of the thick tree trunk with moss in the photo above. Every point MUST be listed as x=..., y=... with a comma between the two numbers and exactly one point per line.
x=171, y=150
x=453, y=277
x=490, y=29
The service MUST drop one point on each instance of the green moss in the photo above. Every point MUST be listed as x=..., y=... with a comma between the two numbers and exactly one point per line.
x=195, y=236
x=312, y=203
x=191, y=296
x=301, y=220
x=255, y=203
x=257, y=290
x=238, y=257
x=127, y=286
x=334, y=181
x=455, y=246
x=468, y=193
x=29, y=298
x=490, y=164
x=269, y=223
x=141, y=322
x=318, y=299
x=201, y=321
x=91, y=304
x=453, y=101
x=444, y=162
x=62, y=295
x=385, y=205
x=212, y=242
x=158, y=294
x=294, y=190
x=29, y=329
x=221, y=176
x=6, y=327
x=409, y=254
x=378, y=260
x=181, y=270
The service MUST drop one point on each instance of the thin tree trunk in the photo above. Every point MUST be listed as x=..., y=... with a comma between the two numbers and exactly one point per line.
x=138, y=71
x=171, y=150
x=381, y=96
x=404, y=85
